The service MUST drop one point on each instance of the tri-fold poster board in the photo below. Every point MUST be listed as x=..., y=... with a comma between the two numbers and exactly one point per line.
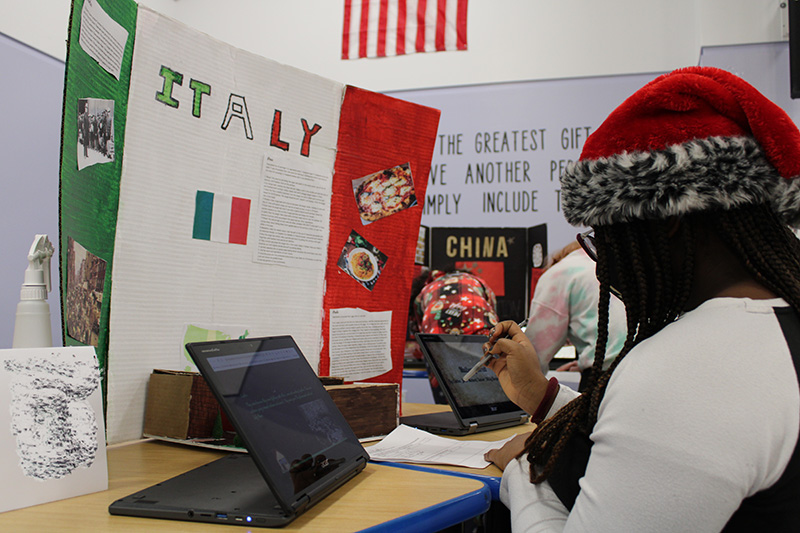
x=210, y=193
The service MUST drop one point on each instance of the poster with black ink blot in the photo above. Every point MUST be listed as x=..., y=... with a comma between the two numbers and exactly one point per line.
x=52, y=435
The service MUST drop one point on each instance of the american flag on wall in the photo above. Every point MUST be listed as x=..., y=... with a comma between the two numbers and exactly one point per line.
x=381, y=28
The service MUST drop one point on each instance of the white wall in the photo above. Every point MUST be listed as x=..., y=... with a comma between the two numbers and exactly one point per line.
x=508, y=39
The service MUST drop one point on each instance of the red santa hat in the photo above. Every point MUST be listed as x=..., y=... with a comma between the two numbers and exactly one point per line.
x=695, y=139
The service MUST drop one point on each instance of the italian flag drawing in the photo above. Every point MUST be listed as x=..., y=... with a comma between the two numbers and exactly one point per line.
x=221, y=218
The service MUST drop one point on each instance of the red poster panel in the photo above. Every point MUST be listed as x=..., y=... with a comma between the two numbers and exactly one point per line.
x=377, y=133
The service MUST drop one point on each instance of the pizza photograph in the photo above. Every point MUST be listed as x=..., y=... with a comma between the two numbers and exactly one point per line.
x=384, y=193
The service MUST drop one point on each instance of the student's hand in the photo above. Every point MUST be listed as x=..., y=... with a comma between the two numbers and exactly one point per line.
x=510, y=450
x=517, y=365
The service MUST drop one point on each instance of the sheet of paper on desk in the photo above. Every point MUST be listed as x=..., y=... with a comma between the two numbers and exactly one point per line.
x=411, y=445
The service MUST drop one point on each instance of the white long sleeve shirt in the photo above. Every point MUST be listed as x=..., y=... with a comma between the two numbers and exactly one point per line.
x=695, y=419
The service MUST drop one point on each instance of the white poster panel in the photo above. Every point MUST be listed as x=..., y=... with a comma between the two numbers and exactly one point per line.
x=214, y=135
x=502, y=147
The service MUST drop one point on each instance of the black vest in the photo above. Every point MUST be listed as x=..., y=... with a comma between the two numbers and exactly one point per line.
x=776, y=509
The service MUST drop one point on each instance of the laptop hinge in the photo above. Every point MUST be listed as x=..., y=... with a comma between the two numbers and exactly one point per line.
x=523, y=418
x=473, y=427
x=300, y=505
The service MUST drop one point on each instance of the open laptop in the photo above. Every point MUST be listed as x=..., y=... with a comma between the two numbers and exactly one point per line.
x=300, y=446
x=478, y=404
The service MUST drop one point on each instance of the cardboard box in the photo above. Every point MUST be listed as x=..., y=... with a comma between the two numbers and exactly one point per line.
x=181, y=406
x=371, y=409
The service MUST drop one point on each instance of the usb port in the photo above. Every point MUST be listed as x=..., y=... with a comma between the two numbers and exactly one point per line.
x=239, y=519
x=222, y=516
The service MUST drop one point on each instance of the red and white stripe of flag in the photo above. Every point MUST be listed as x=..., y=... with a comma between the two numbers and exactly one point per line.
x=381, y=28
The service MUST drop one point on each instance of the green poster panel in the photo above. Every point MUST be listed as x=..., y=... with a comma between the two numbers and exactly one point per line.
x=99, y=52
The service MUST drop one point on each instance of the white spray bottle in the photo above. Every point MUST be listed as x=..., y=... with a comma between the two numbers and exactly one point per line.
x=32, y=324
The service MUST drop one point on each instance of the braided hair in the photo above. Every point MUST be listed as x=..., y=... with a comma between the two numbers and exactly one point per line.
x=656, y=293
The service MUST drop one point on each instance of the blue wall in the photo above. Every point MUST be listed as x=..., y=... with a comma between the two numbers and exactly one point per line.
x=30, y=136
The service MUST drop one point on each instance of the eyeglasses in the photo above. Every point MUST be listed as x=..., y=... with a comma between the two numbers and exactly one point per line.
x=586, y=240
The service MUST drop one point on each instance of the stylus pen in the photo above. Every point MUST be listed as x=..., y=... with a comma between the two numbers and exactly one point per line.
x=485, y=358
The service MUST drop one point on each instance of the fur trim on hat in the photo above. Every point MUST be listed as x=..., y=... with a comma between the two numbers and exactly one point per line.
x=702, y=174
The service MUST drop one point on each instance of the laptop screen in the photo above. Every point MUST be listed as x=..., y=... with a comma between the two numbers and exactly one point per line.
x=287, y=419
x=452, y=356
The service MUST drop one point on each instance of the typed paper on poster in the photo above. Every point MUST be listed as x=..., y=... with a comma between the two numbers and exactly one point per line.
x=102, y=37
x=360, y=343
x=293, y=218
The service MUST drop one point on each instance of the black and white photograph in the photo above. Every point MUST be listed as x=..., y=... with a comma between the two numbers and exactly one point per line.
x=95, y=131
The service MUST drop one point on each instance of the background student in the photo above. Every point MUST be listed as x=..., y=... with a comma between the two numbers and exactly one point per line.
x=564, y=309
